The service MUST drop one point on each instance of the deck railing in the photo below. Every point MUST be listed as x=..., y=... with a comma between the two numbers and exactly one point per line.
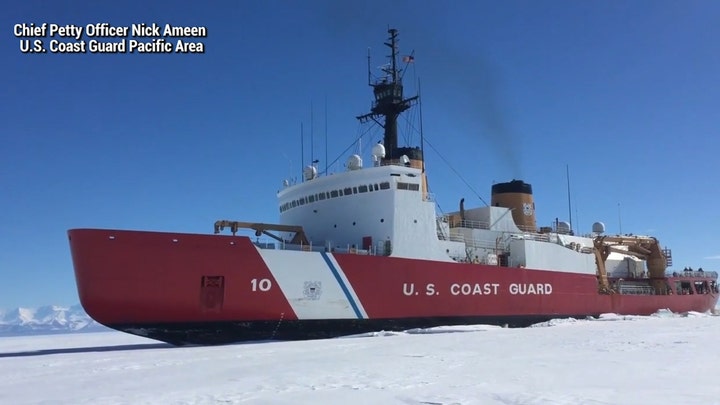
x=376, y=250
x=632, y=289
x=313, y=248
x=474, y=224
x=693, y=274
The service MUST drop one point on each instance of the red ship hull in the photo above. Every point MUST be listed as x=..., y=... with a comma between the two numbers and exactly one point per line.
x=212, y=289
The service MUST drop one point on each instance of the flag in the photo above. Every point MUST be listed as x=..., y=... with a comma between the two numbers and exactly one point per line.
x=408, y=59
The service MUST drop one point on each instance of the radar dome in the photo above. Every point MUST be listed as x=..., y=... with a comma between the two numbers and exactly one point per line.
x=310, y=172
x=563, y=227
x=354, y=162
x=378, y=152
x=598, y=227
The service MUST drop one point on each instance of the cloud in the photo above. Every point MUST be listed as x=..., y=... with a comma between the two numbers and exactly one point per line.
x=716, y=257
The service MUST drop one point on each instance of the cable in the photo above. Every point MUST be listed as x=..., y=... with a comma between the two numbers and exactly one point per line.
x=455, y=171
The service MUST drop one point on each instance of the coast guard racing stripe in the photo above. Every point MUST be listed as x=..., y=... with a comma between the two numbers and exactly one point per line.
x=313, y=284
x=345, y=285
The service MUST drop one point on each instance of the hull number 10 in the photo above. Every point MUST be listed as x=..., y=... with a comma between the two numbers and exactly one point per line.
x=262, y=284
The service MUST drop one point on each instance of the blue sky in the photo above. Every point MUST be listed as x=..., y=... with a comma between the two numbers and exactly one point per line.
x=625, y=93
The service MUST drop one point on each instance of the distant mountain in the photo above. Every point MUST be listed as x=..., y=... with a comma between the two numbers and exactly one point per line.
x=46, y=320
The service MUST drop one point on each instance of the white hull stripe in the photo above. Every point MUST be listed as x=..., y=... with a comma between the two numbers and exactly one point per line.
x=345, y=285
x=309, y=285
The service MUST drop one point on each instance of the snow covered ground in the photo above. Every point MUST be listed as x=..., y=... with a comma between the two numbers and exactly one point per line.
x=662, y=359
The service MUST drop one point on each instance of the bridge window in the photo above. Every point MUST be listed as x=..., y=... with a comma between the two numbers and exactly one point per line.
x=333, y=194
x=348, y=191
x=408, y=186
x=355, y=190
x=363, y=189
x=385, y=185
x=321, y=196
x=311, y=198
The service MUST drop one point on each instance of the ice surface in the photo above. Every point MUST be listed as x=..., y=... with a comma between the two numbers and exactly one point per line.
x=660, y=359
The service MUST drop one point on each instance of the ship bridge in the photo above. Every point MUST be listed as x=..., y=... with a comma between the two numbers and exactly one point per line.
x=382, y=209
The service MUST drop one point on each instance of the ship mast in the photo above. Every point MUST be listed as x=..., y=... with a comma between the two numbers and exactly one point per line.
x=389, y=103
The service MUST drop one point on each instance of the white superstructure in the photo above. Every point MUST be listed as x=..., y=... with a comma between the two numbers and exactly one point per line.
x=383, y=210
x=386, y=210
x=380, y=209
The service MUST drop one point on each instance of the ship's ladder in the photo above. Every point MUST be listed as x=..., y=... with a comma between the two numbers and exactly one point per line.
x=668, y=257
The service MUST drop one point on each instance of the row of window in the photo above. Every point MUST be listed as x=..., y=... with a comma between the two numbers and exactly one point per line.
x=408, y=186
x=346, y=191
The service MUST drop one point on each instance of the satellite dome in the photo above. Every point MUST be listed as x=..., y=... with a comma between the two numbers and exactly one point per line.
x=354, y=162
x=378, y=152
x=309, y=173
x=563, y=227
x=598, y=227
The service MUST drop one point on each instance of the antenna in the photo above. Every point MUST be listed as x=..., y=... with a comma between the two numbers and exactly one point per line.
x=422, y=134
x=290, y=178
x=326, y=138
x=393, y=47
x=577, y=219
x=312, y=133
x=389, y=103
x=567, y=174
x=619, y=219
x=302, y=150
x=369, y=71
